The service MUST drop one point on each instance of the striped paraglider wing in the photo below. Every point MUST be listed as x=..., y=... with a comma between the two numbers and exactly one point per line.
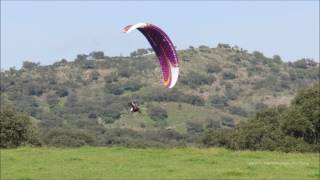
x=164, y=49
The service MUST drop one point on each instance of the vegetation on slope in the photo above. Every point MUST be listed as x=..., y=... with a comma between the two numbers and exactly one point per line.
x=218, y=87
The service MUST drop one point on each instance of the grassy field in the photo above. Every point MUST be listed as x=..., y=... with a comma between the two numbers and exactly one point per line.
x=183, y=163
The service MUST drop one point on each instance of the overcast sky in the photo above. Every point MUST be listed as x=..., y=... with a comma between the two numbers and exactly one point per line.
x=48, y=31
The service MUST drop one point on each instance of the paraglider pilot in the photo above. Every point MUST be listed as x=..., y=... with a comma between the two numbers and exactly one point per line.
x=134, y=106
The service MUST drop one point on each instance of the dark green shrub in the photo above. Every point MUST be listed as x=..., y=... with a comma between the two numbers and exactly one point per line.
x=131, y=85
x=113, y=110
x=157, y=113
x=115, y=89
x=68, y=138
x=219, y=101
x=97, y=54
x=213, y=124
x=227, y=121
x=217, y=137
x=228, y=75
x=302, y=63
x=231, y=94
x=62, y=92
x=194, y=127
x=16, y=129
x=213, y=68
x=238, y=111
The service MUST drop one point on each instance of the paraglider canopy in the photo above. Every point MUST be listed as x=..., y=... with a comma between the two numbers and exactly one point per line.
x=164, y=49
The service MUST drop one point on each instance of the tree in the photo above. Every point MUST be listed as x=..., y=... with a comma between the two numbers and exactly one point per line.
x=30, y=65
x=302, y=63
x=81, y=57
x=277, y=59
x=222, y=45
x=204, y=48
x=258, y=55
x=142, y=51
x=97, y=54
x=16, y=129
x=307, y=103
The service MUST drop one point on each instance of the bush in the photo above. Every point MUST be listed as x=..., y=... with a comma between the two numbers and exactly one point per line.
x=258, y=55
x=97, y=54
x=212, y=124
x=217, y=137
x=131, y=86
x=125, y=72
x=277, y=59
x=113, y=111
x=157, y=113
x=194, y=127
x=238, y=111
x=219, y=101
x=302, y=63
x=68, y=138
x=62, y=92
x=16, y=129
x=30, y=65
x=260, y=106
x=204, y=48
x=115, y=89
x=227, y=121
x=213, y=68
x=228, y=75
x=222, y=45
x=231, y=94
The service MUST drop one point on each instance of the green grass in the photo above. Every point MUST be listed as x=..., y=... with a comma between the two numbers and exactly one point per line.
x=183, y=163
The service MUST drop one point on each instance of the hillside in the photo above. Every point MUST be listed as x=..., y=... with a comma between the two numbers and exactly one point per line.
x=217, y=87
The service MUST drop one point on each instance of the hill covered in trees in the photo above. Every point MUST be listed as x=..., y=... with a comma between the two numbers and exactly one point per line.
x=85, y=101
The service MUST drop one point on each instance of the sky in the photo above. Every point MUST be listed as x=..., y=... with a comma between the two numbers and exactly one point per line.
x=49, y=31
